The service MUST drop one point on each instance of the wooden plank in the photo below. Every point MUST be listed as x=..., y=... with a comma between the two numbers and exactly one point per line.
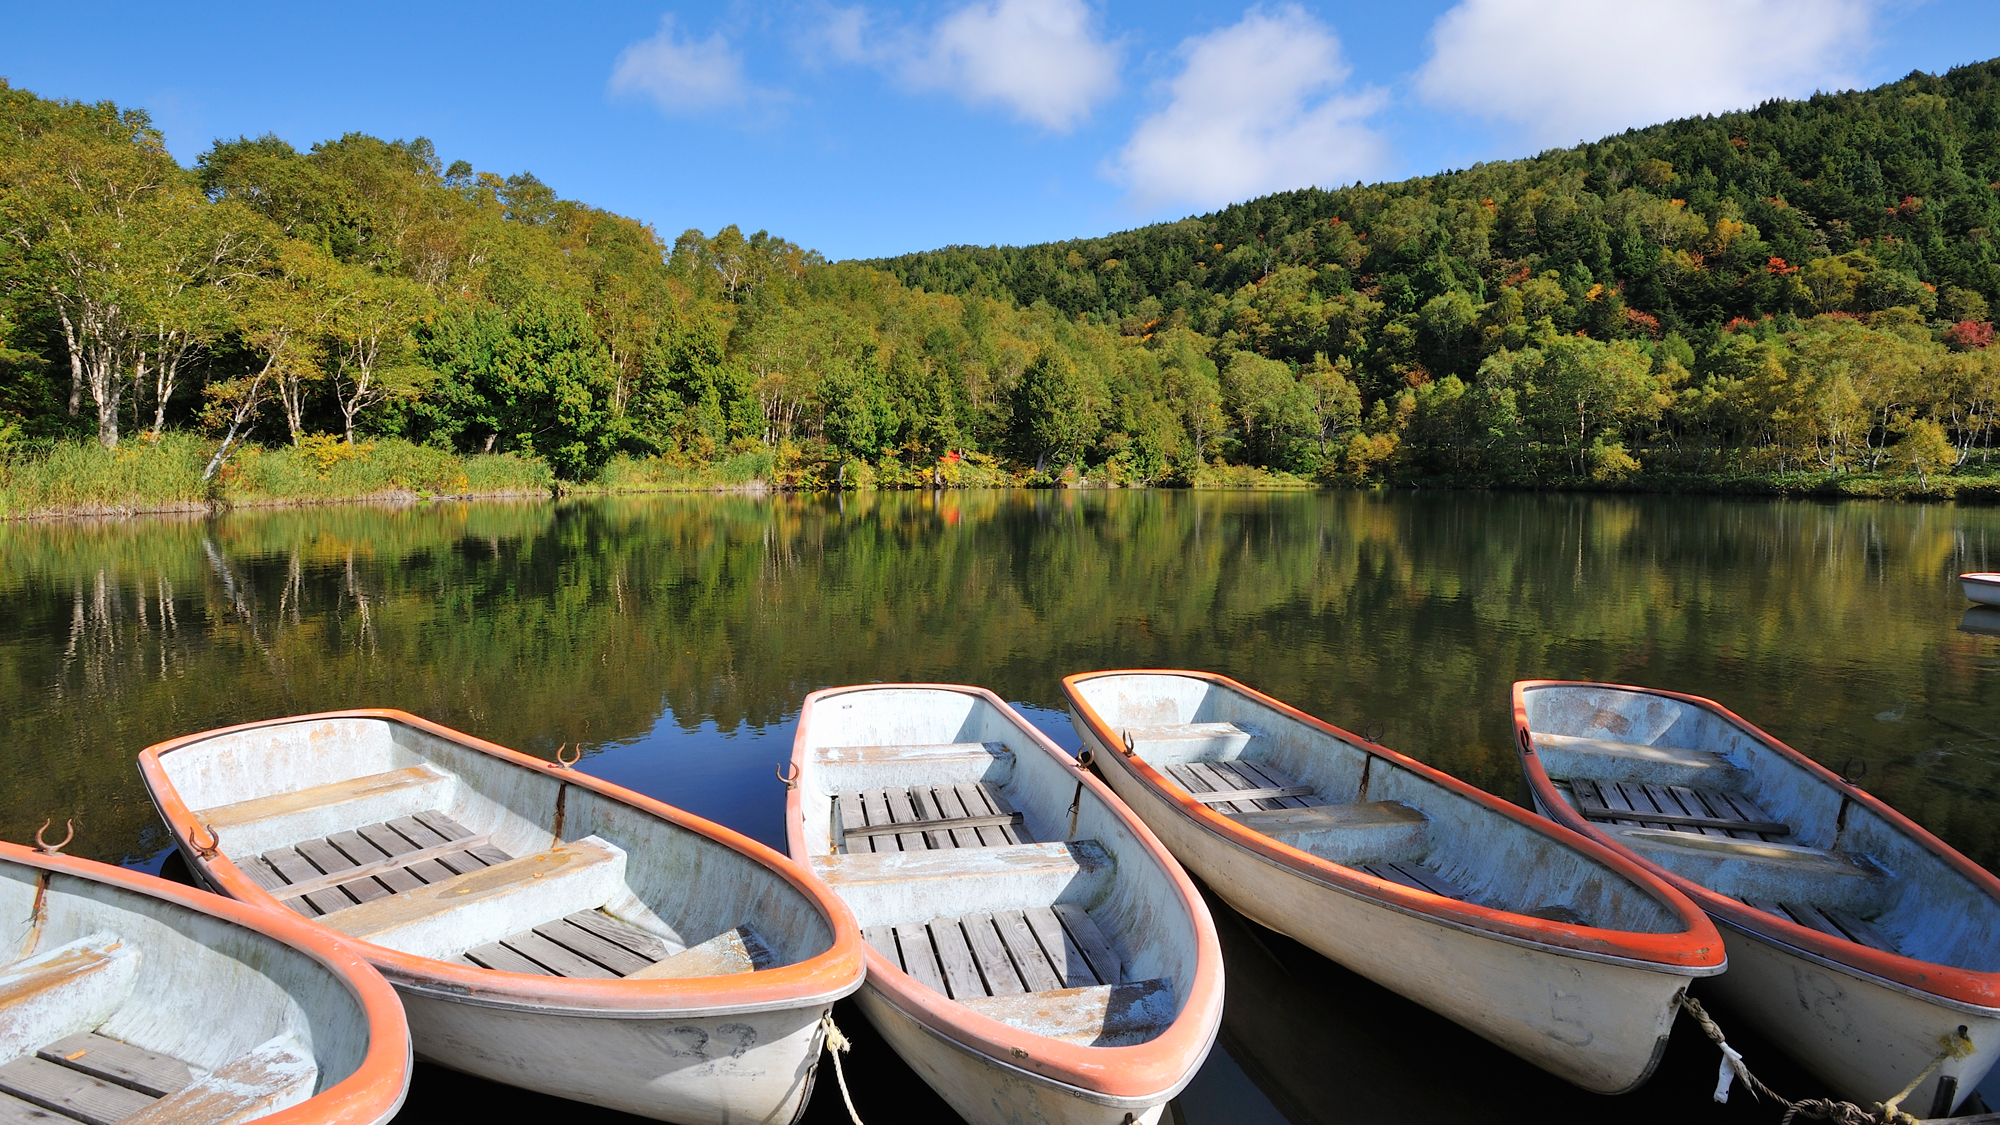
x=1099, y=1015
x=1674, y=822
x=374, y=862
x=1069, y=961
x=852, y=817
x=738, y=950
x=1270, y=777
x=1640, y=803
x=333, y=861
x=622, y=933
x=987, y=949
x=1693, y=805
x=1860, y=930
x=483, y=852
x=383, y=868
x=1430, y=880
x=260, y=873
x=903, y=810
x=1007, y=833
x=535, y=875
x=1805, y=915
x=1389, y=872
x=615, y=958
x=276, y=1072
x=293, y=866
x=554, y=957
x=393, y=843
x=1091, y=941
x=1665, y=801
x=950, y=804
x=14, y=1111
x=875, y=803
x=961, y=972
x=901, y=829
x=1250, y=797
x=883, y=940
x=1225, y=786
x=927, y=810
x=501, y=959
x=919, y=959
x=133, y=1067
x=1037, y=973
x=70, y=1092
x=1244, y=779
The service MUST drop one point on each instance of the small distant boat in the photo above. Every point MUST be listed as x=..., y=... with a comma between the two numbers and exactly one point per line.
x=1858, y=942
x=546, y=929
x=1033, y=952
x=130, y=999
x=1981, y=587
x=1549, y=945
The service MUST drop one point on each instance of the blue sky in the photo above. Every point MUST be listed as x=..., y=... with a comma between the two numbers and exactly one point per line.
x=868, y=129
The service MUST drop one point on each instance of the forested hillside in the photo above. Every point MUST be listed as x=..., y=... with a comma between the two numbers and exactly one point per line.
x=1806, y=287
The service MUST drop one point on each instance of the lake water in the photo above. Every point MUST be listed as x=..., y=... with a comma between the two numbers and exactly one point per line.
x=673, y=637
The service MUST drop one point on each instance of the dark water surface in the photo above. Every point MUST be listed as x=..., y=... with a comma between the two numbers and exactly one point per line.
x=673, y=637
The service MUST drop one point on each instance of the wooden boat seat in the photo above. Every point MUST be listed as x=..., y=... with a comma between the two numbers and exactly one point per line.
x=316, y=877
x=263, y=822
x=591, y=943
x=1046, y=969
x=1169, y=744
x=467, y=911
x=1352, y=833
x=968, y=815
x=1571, y=756
x=1261, y=785
x=96, y=1080
x=928, y=884
x=65, y=990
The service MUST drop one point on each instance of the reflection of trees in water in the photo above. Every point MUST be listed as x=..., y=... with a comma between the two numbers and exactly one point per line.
x=1404, y=615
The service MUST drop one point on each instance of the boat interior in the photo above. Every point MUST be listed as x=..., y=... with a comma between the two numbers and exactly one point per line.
x=976, y=863
x=1302, y=786
x=122, y=1009
x=1706, y=799
x=387, y=832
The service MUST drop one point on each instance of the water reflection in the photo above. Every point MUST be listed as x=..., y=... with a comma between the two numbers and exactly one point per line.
x=674, y=636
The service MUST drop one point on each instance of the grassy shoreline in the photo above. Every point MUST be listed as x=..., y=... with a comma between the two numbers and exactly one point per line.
x=146, y=477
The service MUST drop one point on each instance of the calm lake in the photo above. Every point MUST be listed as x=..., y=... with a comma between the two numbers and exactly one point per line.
x=673, y=637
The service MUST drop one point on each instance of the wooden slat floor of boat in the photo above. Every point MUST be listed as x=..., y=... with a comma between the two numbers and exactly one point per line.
x=589, y=943
x=1714, y=807
x=1828, y=920
x=1415, y=876
x=1003, y=953
x=1240, y=774
x=371, y=845
x=978, y=803
x=88, y=1078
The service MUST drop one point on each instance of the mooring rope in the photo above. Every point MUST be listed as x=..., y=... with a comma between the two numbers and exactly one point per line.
x=837, y=1045
x=1955, y=1046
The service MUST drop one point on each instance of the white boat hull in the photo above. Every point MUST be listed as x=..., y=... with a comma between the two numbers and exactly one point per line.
x=986, y=1091
x=1983, y=588
x=1864, y=1037
x=718, y=1070
x=1599, y=1024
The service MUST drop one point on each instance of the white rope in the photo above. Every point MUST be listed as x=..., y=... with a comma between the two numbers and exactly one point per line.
x=837, y=1045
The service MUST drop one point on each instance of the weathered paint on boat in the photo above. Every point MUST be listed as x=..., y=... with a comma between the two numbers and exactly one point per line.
x=1000, y=1069
x=1864, y=1020
x=1983, y=588
x=1590, y=998
x=715, y=1048
x=215, y=980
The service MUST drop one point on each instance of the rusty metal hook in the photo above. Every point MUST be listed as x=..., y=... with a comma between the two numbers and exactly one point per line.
x=201, y=850
x=563, y=763
x=1847, y=773
x=791, y=782
x=1130, y=746
x=51, y=849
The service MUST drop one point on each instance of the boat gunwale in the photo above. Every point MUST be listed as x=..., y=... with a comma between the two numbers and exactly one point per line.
x=821, y=979
x=1142, y=1072
x=1695, y=950
x=373, y=1093
x=1966, y=987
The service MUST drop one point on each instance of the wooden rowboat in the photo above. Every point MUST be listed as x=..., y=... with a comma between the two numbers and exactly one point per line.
x=1857, y=941
x=1981, y=587
x=129, y=1000
x=1033, y=952
x=546, y=929
x=1550, y=945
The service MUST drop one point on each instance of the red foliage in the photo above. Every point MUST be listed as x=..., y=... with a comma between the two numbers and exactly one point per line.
x=1737, y=322
x=1969, y=335
x=1777, y=266
x=1643, y=321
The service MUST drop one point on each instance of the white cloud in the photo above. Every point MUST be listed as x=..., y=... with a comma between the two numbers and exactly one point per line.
x=1257, y=108
x=1041, y=59
x=1569, y=70
x=683, y=75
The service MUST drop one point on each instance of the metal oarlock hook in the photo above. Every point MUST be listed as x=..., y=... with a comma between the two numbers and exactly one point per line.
x=1130, y=746
x=791, y=782
x=51, y=849
x=1847, y=773
x=201, y=850
x=563, y=763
